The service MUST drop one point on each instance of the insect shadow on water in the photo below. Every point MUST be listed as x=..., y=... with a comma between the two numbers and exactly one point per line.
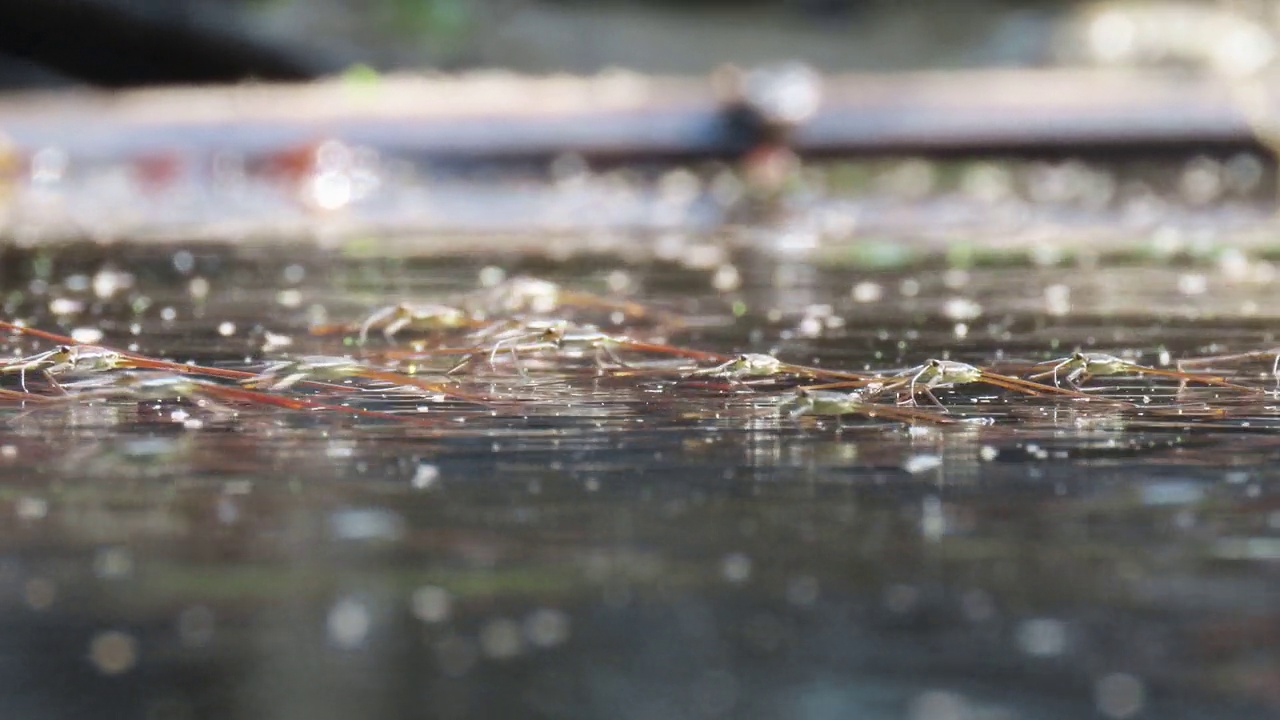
x=831, y=403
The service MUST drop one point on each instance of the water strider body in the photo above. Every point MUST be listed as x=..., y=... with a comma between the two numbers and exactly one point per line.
x=521, y=294
x=394, y=319
x=518, y=295
x=752, y=366
x=1078, y=367
x=322, y=370
x=521, y=337
x=746, y=365
x=63, y=360
x=518, y=338
x=934, y=373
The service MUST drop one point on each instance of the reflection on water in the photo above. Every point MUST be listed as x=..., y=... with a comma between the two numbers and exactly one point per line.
x=641, y=557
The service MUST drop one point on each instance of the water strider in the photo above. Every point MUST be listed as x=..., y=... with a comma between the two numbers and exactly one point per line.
x=935, y=373
x=511, y=297
x=63, y=359
x=760, y=366
x=522, y=337
x=1079, y=367
x=745, y=365
x=322, y=371
x=408, y=316
x=1048, y=561
x=563, y=338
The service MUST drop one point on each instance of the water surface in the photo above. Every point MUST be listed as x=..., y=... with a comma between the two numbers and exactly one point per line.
x=635, y=546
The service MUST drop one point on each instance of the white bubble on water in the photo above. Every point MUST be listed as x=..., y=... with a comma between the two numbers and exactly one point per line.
x=546, y=627
x=867, y=292
x=736, y=568
x=431, y=604
x=1042, y=637
x=196, y=626
x=113, y=652
x=1119, y=695
x=87, y=335
x=348, y=623
x=425, y=476
x=501, y=639
x=939, y=705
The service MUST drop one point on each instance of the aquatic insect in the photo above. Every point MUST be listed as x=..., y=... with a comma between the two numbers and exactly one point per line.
x=124, y=359
x=517, y=295
x=175, y=379
x=518, y=338
x=144, y=386
x=520, y=294
x=555, y=335
x=838, y=404
x=61, y=360
x=935, y=373
x=401, y=316
x=761, y=365
x=1078, y=367
x=746, y=365
x=323, y=369
x=940, y=373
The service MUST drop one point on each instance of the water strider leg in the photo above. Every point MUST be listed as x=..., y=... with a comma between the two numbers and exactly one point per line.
x=607, y=348
x=394, y=327
x=375, y=318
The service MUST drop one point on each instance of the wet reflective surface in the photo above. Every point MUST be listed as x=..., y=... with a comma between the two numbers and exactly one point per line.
x=633, y=546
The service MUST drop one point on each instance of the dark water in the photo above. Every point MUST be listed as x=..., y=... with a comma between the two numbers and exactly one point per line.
x=621, y=548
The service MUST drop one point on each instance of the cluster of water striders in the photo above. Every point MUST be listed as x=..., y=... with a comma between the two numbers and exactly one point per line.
x=526, y=328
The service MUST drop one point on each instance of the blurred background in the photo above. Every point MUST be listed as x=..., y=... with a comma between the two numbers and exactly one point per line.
x=1175, y=98
x=126, y=42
